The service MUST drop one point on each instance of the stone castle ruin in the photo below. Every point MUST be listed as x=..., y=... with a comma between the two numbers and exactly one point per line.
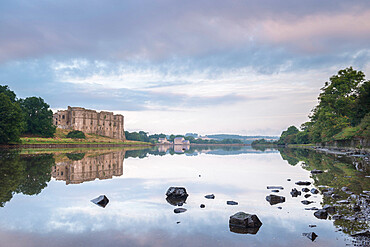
x=91, y=122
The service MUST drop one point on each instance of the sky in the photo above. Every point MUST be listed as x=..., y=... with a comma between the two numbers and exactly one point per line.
x=173, y=66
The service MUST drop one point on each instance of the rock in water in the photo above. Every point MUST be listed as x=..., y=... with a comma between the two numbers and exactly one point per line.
x=244, y=223
x=302, y=183
x=274, y=199
x=231, y=203
x=305, y=189
x=305, y=202
x=202, y=206
x=295, y=192
x=176, y=196
x=275, y=188
x=211, y=196
x=314, y=191
x=321, y=214
x=307, y=195
x=311, y=235
x=179, y=210
x=314, y=171
x=328, y=208
x=101, y=201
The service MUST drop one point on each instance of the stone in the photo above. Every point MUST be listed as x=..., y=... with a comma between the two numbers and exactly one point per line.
x=307, y=195
x=337, y=217
x=295, y=192
x=305, y=189
x=314, y=191
x=275, y=188
x=179, y=210
x=176, y=196
x=335, y=196
x=311, y=235
x=314, y=171
x=211, y=196
x=245, y=220
x=321, y=214
x=329, y=208
x=279, y=207
x=365, y=233
x=288, y=179
x=303, y=183
x=327, y=193
x=274, y=199
x=101, y=201
x=231, y=203
x=313, y=208
x=356, y=208
x=202, y=206
x=305, y=202
x=276, y=191
x=343, y=202
x=312, y=226
x=345, y=189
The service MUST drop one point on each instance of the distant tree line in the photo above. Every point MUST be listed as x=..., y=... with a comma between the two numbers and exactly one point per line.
x=342, y=112
x=30, y=116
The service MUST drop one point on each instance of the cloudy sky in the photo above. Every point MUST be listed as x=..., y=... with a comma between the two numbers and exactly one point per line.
x=174, y=66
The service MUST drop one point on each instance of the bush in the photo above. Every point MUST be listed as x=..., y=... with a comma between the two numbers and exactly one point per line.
x=76, y=134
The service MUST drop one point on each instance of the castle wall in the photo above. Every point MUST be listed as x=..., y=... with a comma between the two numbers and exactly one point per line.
x=92, y=122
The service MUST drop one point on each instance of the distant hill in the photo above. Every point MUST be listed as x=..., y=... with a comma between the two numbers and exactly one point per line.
x=244, y=139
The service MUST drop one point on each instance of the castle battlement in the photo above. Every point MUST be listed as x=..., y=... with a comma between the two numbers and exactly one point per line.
x=91, y=122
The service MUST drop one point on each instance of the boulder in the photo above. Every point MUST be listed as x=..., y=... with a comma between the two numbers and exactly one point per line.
x=176, y=196
x=314, y=191
x=305, y=189
x=321, y=214
x=303, y=183
x=179, y=210
x=295, y=192
x=211, y=196
x=244, y=223
x=329, y=208
x=274, y=199
x=101, y=201
x=311, y=235
x=231, y=203
x=307, y=195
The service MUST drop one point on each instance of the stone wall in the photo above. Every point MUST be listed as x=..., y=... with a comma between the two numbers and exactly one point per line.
x=92, y=122
x=89, y=168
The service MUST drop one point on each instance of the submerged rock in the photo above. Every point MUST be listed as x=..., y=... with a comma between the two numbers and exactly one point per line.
x=179, y=210
x=313, y=208
x=311, y=235
x=101, y=201
x=211, y=196
x=321, y=214
x=305, y=202
x=303, y=183
x=275, y=188
x=295, y=192
x=202, y=206
x=276, y=191
x=176, y=196
x=305, y=189
x=314, y=191
x=307, y=195
x=244, y=223
x=274, y=199
x=231, y=203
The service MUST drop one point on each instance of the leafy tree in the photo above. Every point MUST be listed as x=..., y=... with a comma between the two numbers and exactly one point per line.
x=289, y=136
x=38, y=117
x=76, y=134
x=11, y=119
x=5, y=89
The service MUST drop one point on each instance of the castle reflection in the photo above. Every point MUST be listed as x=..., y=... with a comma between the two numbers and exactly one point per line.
x=80, y=167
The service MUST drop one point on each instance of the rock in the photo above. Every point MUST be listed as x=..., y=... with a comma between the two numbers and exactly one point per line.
x=312, y=226
x=276, y=191
x=337, y=217
x=274, y=199
x=244, y=223
x=313, y=208
x=311, y=235
x=179, y=210
x=305, y=202
x=343, y=202
x=302, y=183
x=314, y=171
x=279, y=207
x=211, y=196
x=344, y=189
x=335, y=196
x=101, y=201
x=307, y=195
x=365, y=233
x=305, y=189
x=202, y=206
x=275, y=188
x=176, y=196
x=295, y=192
x=327, y=193
x=314, y=191
x=356, y=208
x=231, y=203
x=321, y=214
x=288, y=179
x=330, y=209
x=178, y=222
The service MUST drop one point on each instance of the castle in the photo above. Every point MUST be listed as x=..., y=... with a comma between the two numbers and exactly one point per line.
x=91, y=122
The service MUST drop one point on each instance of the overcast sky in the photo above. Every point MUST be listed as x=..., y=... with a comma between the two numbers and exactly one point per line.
x=238, y=66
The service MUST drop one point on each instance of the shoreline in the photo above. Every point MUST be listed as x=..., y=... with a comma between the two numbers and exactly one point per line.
x=71, y=145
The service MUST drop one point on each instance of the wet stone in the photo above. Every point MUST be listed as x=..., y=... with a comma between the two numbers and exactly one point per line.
x=356, y=208
x=314, y=171
x=343, y=202
x=231, y=203
x=276, y=191
x=274, y=199
x=179, y=210
x=313, y=208
x=211, y=196
x=303, y=183
x=244, y=223
x=275, y=188
x=330, y=209
x=101, y=201
x=305, y=202
x=311, y=226
x=295, y=192
x=321, y=214
x=307, y=195
x=202, y=206
x=288, y=179
x=176, y=196
x=337, y=217
x=311, y=235
x=305, y=189
x=314, y=191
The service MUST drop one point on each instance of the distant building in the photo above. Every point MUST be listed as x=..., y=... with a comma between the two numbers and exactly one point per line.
x=186, y=142
x=89, y=121
x=178, y=140
x=163, y=140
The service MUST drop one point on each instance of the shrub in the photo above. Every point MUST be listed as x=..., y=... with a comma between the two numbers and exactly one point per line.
x=76, y=134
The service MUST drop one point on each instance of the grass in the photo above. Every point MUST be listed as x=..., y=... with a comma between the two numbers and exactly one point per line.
x=60, y=138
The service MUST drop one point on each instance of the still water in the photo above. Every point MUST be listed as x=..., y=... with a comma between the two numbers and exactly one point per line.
x=45, y=197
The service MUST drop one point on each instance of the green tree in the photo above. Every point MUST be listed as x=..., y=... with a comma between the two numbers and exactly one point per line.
x=38, y=117
x=5, y=89
x=11, y=119
x=288, y=136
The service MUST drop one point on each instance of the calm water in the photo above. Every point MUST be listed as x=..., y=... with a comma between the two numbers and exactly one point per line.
x=45, y=198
